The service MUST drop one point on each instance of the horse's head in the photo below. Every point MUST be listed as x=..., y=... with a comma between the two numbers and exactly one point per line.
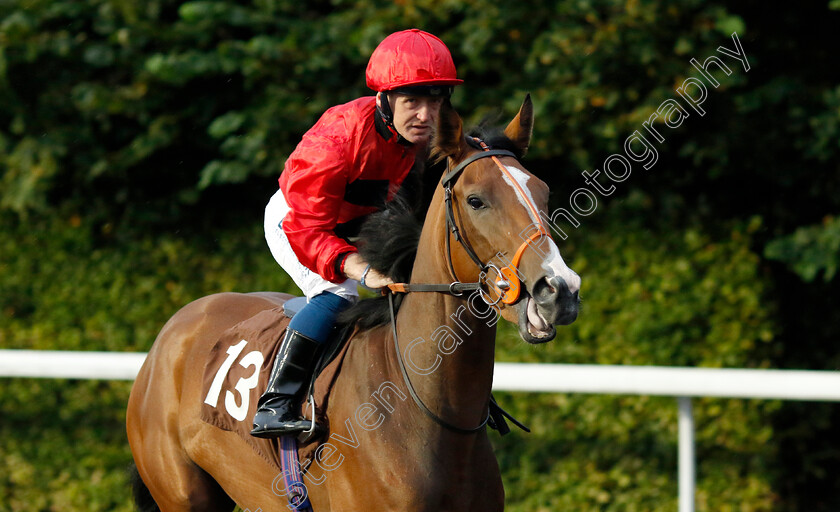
x=495, y=204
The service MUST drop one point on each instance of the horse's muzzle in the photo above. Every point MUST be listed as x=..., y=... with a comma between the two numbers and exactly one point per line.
x=545, y=305
x=555, y=303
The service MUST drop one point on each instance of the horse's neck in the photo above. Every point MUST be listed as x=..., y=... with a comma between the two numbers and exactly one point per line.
x=450, y=359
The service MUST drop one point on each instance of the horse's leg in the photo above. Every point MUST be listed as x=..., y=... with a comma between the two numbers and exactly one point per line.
x=248, y=478
x=486, y=484
x=174, y=481
x=178, y=485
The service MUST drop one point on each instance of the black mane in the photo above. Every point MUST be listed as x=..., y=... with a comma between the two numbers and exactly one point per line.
x=388, y=239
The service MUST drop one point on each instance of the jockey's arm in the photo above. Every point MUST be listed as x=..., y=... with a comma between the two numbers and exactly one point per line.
x=315, y=187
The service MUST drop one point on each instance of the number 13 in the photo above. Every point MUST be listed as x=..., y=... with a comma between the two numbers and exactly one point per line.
x=243, y=386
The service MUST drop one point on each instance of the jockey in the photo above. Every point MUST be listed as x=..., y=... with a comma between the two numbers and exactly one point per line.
x=347, y=166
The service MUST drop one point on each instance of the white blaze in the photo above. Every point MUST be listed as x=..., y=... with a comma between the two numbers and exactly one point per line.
x=553, y=264
x=522, y=179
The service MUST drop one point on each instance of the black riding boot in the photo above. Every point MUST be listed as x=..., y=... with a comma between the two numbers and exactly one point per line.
x=279, y=407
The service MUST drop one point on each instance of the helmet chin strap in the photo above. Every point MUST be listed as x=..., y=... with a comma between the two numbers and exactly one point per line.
x=383, y=108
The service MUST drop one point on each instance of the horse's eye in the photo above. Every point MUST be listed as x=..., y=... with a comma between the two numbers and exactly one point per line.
x=475, y=203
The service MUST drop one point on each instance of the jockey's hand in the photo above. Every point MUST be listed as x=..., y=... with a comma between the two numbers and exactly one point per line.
x=355, y=265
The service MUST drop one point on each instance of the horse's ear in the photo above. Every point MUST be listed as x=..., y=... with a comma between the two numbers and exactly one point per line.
x=519, y=130
x=449, y=137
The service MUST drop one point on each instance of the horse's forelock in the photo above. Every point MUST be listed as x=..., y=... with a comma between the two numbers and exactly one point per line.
x=493, y=137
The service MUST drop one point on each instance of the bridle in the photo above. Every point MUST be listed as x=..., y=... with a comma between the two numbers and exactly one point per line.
x=507, y=287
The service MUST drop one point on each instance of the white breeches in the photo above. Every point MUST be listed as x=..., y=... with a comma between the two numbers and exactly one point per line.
x=308, y=281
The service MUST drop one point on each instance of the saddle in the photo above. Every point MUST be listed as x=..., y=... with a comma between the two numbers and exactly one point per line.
x=237, y=371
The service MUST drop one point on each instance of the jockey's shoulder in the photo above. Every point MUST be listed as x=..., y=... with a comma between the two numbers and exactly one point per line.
x=347, y=118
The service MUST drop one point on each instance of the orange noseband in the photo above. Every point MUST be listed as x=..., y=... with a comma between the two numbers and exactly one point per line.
x=509, y=275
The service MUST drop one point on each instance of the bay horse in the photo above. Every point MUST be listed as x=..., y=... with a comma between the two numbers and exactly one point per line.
x=486, y=213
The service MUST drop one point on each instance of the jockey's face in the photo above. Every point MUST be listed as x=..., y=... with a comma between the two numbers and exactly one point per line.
x=415, y=117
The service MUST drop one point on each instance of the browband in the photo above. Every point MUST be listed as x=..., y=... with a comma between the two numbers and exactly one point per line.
x=472, y=158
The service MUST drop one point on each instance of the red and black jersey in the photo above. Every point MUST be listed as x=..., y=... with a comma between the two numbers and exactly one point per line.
x=344, y=168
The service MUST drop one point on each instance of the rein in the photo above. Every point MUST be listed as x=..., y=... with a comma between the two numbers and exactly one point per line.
x=437, y=419
x=507, y=286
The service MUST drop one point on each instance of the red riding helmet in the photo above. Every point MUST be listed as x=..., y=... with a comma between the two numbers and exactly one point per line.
x=410, y=58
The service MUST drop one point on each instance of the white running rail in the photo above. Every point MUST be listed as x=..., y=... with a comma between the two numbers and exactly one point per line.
x=57, y=364
x=681, y=383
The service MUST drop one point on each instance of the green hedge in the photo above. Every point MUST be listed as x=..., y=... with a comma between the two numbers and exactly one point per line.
x=134, y=112
x=673, y=297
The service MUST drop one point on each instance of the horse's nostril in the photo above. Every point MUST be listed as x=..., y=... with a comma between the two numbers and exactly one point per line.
x=548, y=289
